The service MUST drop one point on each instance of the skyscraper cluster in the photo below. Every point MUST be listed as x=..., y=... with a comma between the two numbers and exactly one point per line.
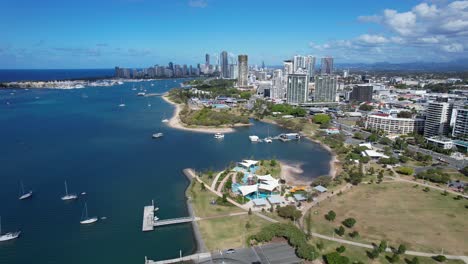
x=157, y=71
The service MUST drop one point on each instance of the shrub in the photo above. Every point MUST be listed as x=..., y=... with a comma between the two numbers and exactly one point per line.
x=405, y=170
x=340, y=231
x=434, y=175
x=322, y=180
x=330, y=216
x=340, y=249
x=414, y=260
x=349, y=222
x=335, y=258
x=294, y=235
x=382, y=246
x=289, y=211
x=439, y=258
x=393, y=259
x=354, y=234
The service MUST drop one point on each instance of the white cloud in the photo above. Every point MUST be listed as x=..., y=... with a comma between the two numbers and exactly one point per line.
x=198, y=3
x=453, y=48
x=372, y=39
x=402, y=23
x=425, y=10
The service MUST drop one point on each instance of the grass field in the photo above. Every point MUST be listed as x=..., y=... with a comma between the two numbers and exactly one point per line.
x=399, y=213
x=267, y=168
x=359, y=254
x=229, y=232
x=201, y=202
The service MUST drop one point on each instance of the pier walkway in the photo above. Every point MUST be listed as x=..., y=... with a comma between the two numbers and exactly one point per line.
x=173, y=221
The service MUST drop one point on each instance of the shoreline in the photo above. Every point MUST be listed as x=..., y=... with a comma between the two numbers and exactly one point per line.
x=176, y=123
x=334, y=158
x=201, y=247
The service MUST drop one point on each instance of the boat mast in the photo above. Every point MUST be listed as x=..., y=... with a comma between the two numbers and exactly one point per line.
x=22, y=188
x=86, y=210
x=66, y=189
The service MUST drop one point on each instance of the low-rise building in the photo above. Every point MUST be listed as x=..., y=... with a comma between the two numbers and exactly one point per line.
x=440, y=142
x=394, y=125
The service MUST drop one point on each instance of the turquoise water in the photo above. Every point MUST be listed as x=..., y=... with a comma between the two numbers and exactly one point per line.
x=82, y=136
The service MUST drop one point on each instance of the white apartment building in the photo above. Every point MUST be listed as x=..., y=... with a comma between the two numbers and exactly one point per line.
x=394, y=125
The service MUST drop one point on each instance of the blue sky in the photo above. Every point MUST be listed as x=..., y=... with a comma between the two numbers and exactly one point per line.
x=139, y=33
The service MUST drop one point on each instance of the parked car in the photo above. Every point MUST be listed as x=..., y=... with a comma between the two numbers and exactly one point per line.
x=230, y=251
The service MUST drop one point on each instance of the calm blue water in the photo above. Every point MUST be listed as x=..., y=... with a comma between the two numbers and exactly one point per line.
x=48, y=75
x=82, y=136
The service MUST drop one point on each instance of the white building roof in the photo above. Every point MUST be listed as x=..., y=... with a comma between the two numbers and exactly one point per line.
x=248, y=163
x=266, y=177
x=268, y=185
x=373, y=154
x=248, y=189
x=320, y=188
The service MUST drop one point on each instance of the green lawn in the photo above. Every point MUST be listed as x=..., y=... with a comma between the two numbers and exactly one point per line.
x=229, y=232
x=267, y=168
x=399, y=213
x=201, y=202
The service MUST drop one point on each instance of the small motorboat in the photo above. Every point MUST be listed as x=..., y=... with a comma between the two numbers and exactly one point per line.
x=219, y=136
x=165, y=120
x=141, y=94
x=158, y=135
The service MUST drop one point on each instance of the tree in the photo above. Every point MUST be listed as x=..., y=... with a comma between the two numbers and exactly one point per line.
x=330, y=216
x=380, y=176
x=393, y=259
x=385, y=141
x=250, y=211
x=373, y=137
x=366, y=107
x=289, y=211
x=354, y=234
x=245, y=95
x=340, y=249
x=340, y=231
x=439, y=258
x=322, y=180
x=335, y=258
x=401, y=249
x=349, y=222
x=321, y=119
x=414, y=260
x=273, y=163
x=373, y=254
x=247, y=225
x=464, y=171
x=382, y=246
x=405, y=170
x=405, y=114
x=358, y=135
x=203, y=187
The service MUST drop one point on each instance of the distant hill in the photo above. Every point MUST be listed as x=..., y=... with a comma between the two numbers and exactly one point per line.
x=457, y=65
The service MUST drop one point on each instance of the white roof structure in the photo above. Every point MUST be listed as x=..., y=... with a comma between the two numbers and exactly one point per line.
x=367, y=145
x=320, y=188
x=248, y=163
x=373, y=154
x=265, y=177
x=248, y=189
x=276, y=199
x=259, y=202
x=268, y=185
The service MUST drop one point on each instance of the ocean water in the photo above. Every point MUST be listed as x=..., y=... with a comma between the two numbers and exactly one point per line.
x=83, y=137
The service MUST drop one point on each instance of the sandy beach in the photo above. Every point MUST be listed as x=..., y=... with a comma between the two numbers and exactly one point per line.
x=291, y=172
x=175, y=122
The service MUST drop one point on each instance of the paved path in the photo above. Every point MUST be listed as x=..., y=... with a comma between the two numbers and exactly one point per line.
x=408, y=252
x=221, y=184
x=213, y=184
x=426, y=185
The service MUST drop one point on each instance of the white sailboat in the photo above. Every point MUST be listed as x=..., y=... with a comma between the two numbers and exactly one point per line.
x=219, y=136
x=268, y=139
x=24, y=195
x=68, y=196
x=8, y=236
x=85, y=219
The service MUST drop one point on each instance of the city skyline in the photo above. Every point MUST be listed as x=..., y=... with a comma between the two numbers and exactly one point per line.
x=135, y=33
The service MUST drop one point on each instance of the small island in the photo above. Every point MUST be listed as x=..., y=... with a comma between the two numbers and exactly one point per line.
x=209, y=108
